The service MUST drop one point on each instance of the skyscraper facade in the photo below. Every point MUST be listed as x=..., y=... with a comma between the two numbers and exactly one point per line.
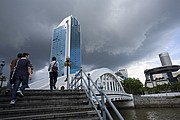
x=66, y=44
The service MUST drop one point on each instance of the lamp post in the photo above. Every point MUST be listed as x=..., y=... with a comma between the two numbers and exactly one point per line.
x=67, y=63
x=2, y=77
x=2, y=64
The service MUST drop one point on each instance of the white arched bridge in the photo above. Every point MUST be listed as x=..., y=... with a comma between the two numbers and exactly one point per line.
x=104, y=78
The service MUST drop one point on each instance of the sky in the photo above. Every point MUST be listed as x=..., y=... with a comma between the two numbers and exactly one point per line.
x=116, y=34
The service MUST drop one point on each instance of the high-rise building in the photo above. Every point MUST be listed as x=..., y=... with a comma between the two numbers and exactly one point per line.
x=66, y=44
x=122, y=73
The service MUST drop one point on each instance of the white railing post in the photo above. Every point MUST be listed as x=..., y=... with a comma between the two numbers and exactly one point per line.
x=89, y=91
x=103, y=103
x=81, y=75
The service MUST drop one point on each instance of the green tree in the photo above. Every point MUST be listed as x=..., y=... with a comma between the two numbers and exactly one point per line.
x=170, y=87
x=175, y=87
x=133, y=86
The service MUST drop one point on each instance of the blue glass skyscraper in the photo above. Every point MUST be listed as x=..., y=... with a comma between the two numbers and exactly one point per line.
x=66, y=43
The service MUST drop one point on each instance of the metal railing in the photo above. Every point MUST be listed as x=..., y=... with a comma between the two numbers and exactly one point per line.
x=83, y=81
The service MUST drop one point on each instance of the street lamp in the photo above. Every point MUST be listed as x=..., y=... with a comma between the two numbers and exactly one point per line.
x=67, y=63
x=2, y=64
x=2, y=77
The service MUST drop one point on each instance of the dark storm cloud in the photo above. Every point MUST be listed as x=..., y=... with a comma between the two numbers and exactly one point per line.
x=129, y=30
x=114, y=33
x=26, y=26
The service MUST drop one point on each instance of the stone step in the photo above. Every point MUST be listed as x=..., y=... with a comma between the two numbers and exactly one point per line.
x=48, y=93
x=55, y=94
x=63, y=116
x=44, y=110
x=40, y=98
x=46, y=104
x=44, y=98
x=29, y=102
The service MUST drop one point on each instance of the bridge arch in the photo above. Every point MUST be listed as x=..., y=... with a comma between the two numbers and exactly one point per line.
x=107, y=79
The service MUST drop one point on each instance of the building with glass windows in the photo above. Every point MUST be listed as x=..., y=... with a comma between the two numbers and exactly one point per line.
x=165, y=74
x=66, y=44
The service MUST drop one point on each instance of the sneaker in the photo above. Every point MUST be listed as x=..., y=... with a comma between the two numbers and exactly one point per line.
x=7, y=91
x=12, y=102
x=20, y=94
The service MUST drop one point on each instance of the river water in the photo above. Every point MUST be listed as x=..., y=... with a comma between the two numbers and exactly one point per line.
x=150, y=114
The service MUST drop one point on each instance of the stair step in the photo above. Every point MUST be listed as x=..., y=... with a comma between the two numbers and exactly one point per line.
x=44, y=110
x=46, y=104
x=41, y=103
x=72, y=115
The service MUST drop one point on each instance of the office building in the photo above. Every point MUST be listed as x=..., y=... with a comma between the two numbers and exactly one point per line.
x=66, y=44
x=122, y=73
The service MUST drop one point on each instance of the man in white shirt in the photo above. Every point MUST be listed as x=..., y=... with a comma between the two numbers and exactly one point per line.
x=53, y=73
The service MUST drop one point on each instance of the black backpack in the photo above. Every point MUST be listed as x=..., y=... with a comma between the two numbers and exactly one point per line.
x=55, y=68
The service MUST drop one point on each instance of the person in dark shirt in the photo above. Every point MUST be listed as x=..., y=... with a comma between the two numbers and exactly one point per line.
x=22, y=75
x=13, y=62
x=13, y=65
x=12, y=68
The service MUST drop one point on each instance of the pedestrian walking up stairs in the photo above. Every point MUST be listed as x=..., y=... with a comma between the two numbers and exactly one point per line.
x=46, y=104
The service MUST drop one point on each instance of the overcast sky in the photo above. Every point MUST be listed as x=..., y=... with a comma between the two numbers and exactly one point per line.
x=115, y=34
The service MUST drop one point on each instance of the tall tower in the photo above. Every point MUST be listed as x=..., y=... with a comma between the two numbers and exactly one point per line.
x=66, y=44
x=166, y=61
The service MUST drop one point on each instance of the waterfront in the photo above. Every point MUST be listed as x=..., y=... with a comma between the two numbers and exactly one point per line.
x=150, y=114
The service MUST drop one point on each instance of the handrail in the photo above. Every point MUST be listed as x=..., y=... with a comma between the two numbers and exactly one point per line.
x=94, y=105
x=91, y=94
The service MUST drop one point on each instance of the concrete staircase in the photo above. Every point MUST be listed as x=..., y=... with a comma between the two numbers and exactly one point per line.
x=46, y=104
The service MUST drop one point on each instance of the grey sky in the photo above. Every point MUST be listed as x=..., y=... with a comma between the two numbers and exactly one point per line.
x=114, y=33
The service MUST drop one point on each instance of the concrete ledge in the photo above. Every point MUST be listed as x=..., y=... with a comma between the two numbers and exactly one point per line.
x=156, y=101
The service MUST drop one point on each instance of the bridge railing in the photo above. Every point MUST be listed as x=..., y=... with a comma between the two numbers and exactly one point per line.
x=83, y=81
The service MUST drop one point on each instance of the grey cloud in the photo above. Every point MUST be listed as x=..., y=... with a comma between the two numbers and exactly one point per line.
x=114, y=33
x=125, y=32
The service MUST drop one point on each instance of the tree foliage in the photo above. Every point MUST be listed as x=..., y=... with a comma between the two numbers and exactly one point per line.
x=133, y=86
x=171, y=87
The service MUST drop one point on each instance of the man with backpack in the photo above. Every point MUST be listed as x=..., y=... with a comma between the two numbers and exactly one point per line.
x=53, y=73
